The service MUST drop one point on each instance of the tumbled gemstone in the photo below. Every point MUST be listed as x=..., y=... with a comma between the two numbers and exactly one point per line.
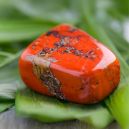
x=68, y=63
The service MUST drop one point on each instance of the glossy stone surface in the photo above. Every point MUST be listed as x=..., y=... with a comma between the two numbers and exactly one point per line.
x=68, y=63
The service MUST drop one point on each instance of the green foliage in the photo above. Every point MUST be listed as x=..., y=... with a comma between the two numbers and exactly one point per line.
x=47, y=109
x=9, y=81
x=53, y=10
x=5, y=105
x=118, y=104
x=19, y=30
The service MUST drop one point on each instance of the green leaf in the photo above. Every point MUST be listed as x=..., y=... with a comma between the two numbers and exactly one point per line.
x=53, y=10
x=122, y=6
x=120, y=43
x=17, y=30
x=5, y=105
x=7, y=11
x=118, y=104
x=8, y=58
x=9, y=80
x=48, y=109
x=4, y=56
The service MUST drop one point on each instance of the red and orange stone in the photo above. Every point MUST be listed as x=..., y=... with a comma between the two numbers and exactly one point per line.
x=68, y=63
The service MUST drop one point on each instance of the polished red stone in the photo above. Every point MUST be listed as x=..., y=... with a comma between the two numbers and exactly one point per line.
x=68, y=63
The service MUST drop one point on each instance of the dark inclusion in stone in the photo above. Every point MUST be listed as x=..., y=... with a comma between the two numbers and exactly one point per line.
x=90, y=54
x=60, y=36
x=57, y=44
x=41, y=68
x=54, y=33
x=52, y=83
x=44, y=51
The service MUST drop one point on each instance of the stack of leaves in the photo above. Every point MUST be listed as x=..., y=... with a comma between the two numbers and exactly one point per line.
x=21, y=21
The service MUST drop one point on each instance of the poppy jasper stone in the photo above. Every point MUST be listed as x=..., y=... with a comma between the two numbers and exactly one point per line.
x=69, y=64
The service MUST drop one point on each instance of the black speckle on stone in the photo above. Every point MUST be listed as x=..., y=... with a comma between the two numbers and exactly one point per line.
x=67, y=51
x=57, y=44
x=90, y=54
x=54, y=33
x=78, y=52
x=44, y=51
x=51, y=33
x=52, y=49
